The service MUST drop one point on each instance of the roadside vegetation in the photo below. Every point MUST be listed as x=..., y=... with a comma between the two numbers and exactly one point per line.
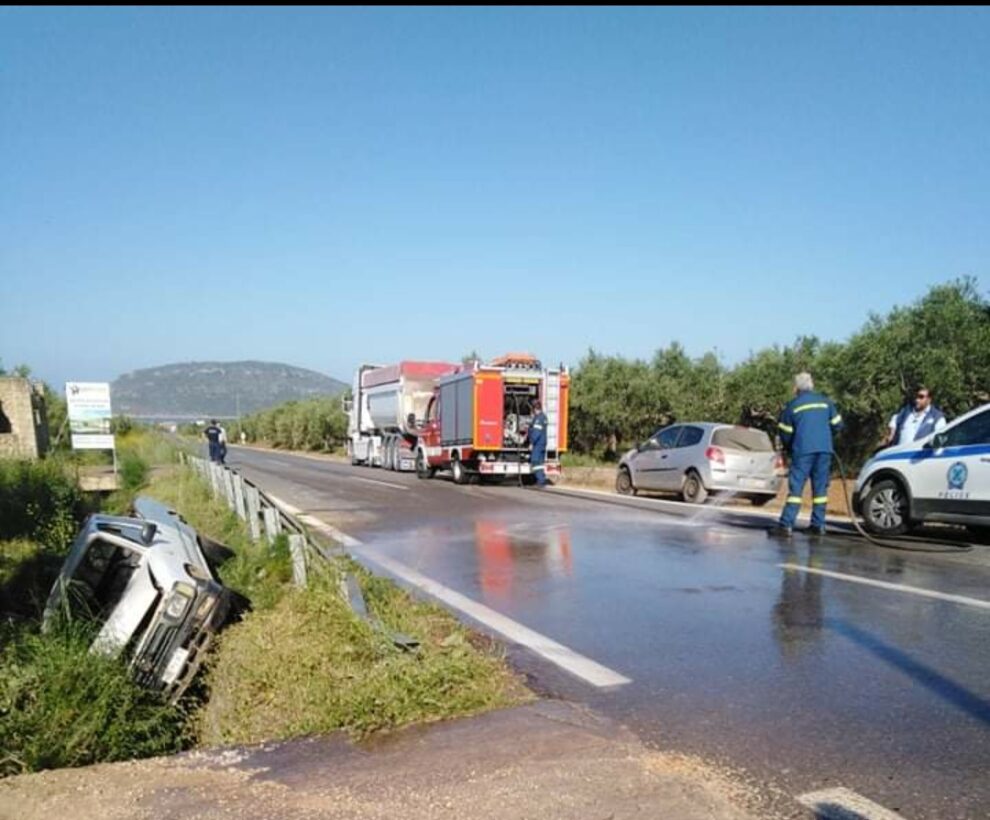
x=316, y=425
x=296, y=663
x=941, y=341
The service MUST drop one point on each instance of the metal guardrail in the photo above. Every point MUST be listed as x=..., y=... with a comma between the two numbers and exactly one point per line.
x=267, y=519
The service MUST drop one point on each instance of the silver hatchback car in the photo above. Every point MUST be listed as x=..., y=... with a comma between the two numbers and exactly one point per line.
x=699, y=459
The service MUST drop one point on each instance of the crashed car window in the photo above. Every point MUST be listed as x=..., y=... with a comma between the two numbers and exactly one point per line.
x=742, y=438
x=100, y=579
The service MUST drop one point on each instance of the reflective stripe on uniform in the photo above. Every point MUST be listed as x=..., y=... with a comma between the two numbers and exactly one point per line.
x=538, y=467
x=837, y=419
x=820, y=405
x=793, y=499
x=820, y=499
x=786, y=427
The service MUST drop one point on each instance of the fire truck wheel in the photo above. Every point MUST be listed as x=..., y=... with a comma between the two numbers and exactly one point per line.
x=458, y=472
x=424, y=470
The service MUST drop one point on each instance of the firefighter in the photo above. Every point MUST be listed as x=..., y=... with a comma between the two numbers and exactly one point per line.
x=806, y=426
x=536, y=435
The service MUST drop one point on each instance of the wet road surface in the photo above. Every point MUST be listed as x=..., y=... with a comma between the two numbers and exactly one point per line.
x=736, y=647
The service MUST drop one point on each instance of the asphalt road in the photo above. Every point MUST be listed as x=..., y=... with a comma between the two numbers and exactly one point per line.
x=779, y=660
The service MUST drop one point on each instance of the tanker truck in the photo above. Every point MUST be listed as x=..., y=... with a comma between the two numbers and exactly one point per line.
x=470, y=419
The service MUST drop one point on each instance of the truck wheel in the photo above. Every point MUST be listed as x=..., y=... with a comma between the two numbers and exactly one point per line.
x=423, y=469
x=458, y=472
x=389, y=454
x=694, y=491
x=885, y=508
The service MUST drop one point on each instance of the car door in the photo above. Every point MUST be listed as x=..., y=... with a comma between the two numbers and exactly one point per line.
x=663, y=476
x=649, y=463
x=951, y=474
x=684, y=455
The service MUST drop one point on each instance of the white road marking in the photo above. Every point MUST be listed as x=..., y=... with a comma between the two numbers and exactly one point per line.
x=841, y=804
x=858, y=579
x=567, y=659
x=376, y=481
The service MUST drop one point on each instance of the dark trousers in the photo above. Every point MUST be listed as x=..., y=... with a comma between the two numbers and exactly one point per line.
x=214, y=451
x=537, y=461
x=817, y=467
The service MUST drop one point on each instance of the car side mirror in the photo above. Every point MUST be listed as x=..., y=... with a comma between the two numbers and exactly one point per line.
x=937, y=442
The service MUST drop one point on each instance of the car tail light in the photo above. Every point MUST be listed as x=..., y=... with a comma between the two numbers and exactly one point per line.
x=715, y=454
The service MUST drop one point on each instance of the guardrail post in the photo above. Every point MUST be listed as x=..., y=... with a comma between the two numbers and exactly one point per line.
x=214, y=479
x=297, y=548
x=253, y=501
x=272, y=528
x=239, y=506
x=228, y=487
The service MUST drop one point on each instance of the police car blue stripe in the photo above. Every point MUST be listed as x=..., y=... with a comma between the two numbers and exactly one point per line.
x=948, y=452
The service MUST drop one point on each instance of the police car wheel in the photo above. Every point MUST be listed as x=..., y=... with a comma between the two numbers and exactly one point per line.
x=694, y=491
x=885, y=508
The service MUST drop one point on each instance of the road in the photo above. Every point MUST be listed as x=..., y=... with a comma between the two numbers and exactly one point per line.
x=783, y=662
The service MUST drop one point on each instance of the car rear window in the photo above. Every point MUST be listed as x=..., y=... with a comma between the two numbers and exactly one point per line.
x=742, y=438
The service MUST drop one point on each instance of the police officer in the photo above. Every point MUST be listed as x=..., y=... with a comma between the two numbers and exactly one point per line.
x=213, y=435
x=537, y=437
x=806, y=428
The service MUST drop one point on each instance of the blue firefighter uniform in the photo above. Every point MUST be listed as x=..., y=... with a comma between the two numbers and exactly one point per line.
x=806, y=428
x=538, y=442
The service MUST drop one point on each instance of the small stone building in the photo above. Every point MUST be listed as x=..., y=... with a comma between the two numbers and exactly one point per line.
x=23, y=420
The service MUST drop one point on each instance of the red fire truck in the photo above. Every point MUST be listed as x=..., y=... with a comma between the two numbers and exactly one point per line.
x=469, y=419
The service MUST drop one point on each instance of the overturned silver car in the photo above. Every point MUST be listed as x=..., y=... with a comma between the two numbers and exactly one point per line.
x=146, y=583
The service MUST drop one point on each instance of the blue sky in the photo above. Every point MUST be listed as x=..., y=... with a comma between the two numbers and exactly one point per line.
x=324, y=187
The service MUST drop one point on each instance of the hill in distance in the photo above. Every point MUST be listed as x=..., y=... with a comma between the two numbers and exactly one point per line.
x=202, y=390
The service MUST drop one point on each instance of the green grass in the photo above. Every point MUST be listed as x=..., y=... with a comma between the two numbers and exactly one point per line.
x=308, y=665
x=302, y=662
x=61, y=705
x=583, y=460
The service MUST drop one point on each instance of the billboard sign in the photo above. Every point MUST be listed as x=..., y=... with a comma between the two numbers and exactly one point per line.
x=89, y=415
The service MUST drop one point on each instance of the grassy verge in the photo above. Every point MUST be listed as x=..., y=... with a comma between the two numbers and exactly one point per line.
x=299, y=662
x=59, y=704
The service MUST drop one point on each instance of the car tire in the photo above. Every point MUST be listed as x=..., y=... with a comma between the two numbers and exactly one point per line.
x=423, y=469
x=458, y=473
x=761, y=500
x=623, y=482
x=885, y=508
x=693, y=491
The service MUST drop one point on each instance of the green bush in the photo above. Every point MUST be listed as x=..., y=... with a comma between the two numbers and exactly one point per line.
x=41, y=501
x=133, y=471
x=61, y=705
x=315, y=424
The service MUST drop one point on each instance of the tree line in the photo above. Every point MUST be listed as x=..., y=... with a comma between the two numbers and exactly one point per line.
x=942, y=340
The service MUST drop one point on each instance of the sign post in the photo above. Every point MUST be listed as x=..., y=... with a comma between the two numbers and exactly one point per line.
x=89, y=417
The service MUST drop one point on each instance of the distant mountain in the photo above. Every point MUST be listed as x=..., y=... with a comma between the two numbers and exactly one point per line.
x=206, y=389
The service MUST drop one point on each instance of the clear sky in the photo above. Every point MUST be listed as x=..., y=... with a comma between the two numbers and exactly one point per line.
x=323, y=187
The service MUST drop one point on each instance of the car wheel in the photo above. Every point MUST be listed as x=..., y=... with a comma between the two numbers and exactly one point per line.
x=423, y=468
x=694, y=491
x=623, y=482
x=458, y=472
x=885, y=508
x=761, y=500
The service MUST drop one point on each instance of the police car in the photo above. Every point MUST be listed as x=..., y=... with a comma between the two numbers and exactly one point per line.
x=944, y=477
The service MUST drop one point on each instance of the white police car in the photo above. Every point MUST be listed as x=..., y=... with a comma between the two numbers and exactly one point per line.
x=944, y=477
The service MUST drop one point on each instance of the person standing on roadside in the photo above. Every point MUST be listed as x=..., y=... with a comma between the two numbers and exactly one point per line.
x=213, y=433
x=914, y=421
x=537, y=437
x=806, y=426
x=223, y=444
